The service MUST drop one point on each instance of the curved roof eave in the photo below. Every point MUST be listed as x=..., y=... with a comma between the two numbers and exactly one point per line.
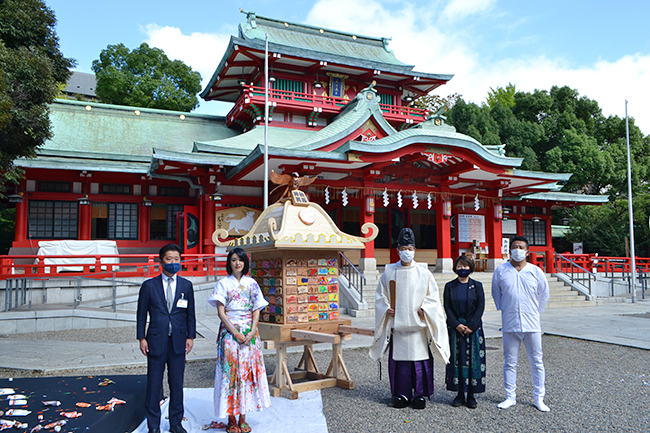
x=428, y=136
x=279, y=151
x=542, y=175
x=563, y=197
x=229, y=50
x=195, y=158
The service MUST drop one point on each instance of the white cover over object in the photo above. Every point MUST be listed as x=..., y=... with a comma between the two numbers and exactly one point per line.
x=302, y=415
x=76, y=248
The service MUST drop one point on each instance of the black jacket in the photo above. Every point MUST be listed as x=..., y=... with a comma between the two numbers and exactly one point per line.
x=475, y=304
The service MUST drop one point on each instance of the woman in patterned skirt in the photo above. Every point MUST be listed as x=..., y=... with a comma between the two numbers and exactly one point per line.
x=464, y=304
x=240, y=383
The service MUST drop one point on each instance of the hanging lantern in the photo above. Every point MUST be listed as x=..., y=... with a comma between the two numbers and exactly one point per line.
x=446, y=208
x=370, y=204
x=498, y=211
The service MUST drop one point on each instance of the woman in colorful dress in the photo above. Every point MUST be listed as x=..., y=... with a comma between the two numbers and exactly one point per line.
x=464, y=301
x=240, y=384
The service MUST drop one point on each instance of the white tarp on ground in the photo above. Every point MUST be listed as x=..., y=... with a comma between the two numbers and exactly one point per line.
x=76, y=248
x=302, y=415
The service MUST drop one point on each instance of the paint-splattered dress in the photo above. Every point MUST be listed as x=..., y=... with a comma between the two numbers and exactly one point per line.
x=240, y=383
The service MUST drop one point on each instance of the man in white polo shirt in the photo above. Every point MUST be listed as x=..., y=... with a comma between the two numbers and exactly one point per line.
x=520, y=290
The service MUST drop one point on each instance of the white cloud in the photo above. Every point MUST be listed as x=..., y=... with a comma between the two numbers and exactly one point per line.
x=201, y=51
x=458, y=9
x=424, y=35
x=422, y=38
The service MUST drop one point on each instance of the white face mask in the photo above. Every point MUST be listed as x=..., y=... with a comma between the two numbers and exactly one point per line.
x=406, y=256
x=518, y=255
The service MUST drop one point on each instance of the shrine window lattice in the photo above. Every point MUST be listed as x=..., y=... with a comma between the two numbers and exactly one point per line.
x=53, y=219
x=535, y=232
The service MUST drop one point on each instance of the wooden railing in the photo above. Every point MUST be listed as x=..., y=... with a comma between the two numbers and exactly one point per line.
x=328, y=103
x=106, y=266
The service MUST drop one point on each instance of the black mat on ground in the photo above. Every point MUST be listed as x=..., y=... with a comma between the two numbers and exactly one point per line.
x=72, y=390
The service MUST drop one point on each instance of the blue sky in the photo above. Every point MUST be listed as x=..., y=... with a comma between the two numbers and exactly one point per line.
x=598, y=47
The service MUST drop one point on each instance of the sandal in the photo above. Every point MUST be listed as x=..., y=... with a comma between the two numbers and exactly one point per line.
x=244, y=427
x=233, y=428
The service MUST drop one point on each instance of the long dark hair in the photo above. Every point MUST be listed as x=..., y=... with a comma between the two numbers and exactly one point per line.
x=242, y=256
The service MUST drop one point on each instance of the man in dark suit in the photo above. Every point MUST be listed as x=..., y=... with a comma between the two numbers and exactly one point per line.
x=169, y=301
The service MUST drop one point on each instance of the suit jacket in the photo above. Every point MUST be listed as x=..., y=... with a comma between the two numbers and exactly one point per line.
x=475, y=304
x=151, y=301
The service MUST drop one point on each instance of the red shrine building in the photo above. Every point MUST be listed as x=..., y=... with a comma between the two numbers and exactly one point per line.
x=339, y=109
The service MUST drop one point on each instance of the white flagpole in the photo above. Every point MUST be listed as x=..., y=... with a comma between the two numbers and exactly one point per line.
x=266, y=122
x=629, y=205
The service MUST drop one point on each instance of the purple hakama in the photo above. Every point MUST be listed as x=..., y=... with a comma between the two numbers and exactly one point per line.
x=410, y=378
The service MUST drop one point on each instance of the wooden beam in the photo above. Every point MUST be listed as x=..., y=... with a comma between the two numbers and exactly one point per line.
x=319, y=337
x=370, y=332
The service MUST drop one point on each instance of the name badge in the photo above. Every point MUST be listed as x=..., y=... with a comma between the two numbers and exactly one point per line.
x=182, y=303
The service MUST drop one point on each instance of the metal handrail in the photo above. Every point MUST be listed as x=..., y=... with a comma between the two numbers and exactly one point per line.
x=18, y=292
x=577, y=273
x=354, y=276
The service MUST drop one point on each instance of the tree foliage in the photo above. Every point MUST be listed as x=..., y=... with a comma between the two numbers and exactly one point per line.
x=145, y=77
x=506, y=96
x=31, y=67
x=433, y=103
x=560, y=131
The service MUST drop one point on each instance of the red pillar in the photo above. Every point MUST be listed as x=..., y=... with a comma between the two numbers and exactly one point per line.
x=21, y=221
x=443, y=227
x=493, y=229
x=208, y=225
x=550, y=263
x=85, y=221
x=144, y=223
x=368, y=217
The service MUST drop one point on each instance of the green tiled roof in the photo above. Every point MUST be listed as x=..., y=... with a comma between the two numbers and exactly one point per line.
x=353, y=116
x=243, y=144
x=310, y=38
x=565, y=197
x=111, y=129
x=429, y=133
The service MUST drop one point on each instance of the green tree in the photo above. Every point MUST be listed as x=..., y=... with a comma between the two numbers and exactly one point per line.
x=31, y=67
x=145, y=77
x=433, y=103
x=505, y=96
x=560, y=131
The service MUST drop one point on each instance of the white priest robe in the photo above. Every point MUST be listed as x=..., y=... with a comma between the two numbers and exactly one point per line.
x=413, y=336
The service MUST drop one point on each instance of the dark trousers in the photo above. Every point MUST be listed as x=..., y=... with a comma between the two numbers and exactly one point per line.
x=410, y=378
x=175, y=371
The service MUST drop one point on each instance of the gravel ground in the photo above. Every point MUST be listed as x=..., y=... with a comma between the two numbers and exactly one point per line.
x=591, y=387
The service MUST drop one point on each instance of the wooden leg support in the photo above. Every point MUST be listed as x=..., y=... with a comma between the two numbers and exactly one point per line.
x=282, y=382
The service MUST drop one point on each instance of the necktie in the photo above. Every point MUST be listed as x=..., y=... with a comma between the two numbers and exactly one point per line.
x=170, y=295
x=170, y=301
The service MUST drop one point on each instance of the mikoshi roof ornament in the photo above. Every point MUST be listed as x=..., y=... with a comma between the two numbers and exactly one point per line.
x=293, y=182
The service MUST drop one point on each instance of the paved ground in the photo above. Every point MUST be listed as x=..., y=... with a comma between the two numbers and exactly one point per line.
x=592, y=385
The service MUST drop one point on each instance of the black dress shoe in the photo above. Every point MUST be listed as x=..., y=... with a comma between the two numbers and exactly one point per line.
x=471, y=402
x=419, y=403
x=177, y=429
x=154, y=430
x=458, y=401
x=400, y=402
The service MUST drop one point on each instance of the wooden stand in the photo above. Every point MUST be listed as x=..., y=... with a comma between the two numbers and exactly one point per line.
x=282, y=382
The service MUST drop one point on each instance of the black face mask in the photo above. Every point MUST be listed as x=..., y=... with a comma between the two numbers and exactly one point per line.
x=463, y=272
